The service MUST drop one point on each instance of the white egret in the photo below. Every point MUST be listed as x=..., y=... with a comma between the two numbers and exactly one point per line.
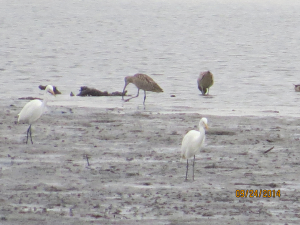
x=141, y=81
x=192, y=142
x=33, y=110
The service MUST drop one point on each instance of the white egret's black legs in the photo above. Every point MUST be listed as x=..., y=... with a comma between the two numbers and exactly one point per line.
x=29, y=132
x=187, y=168
x=194, y=166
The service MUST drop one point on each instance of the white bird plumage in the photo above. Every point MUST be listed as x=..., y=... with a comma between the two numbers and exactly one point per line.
x=33, y=110
x=192, y=143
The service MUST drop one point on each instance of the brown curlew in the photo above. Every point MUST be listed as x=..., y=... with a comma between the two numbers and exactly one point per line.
x=141, y=81
x=205, y=81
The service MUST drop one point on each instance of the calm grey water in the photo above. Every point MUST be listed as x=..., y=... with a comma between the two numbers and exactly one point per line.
x=251, y=47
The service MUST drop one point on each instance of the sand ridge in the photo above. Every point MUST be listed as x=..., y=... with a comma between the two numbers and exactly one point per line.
x=135, y=174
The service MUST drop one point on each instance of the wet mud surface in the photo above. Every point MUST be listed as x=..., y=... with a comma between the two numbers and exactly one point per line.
x=134, y=174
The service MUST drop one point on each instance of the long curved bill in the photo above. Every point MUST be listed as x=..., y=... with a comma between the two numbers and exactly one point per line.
x=123, y=91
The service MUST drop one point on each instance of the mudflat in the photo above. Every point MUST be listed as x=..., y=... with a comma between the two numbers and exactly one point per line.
x=96, y=166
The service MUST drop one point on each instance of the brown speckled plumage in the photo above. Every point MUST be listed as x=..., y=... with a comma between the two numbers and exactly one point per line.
x=205, y=81
x=144, y=82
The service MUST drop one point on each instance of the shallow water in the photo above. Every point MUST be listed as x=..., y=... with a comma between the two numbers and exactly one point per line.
x=251, y=47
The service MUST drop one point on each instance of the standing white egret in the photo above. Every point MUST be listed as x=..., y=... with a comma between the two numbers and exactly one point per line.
x=192, y=142
x=33, y=110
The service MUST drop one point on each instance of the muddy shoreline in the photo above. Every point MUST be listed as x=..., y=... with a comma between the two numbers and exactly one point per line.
x=135, y=174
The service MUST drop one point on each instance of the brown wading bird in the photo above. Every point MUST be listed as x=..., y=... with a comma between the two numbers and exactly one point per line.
x=141, y=81
x=297, y=87
x=205, y=81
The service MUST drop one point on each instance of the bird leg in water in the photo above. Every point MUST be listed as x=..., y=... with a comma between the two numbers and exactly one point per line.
x=205, y=90
x=187, y=168
x=134, y=96
x=87, y=159
x=29, y=132
x=194, y=166
x=144, y=97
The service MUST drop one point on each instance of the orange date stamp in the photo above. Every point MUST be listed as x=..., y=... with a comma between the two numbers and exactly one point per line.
x=257, y=193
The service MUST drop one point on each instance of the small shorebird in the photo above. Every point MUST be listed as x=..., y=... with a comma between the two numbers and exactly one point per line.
x=297, y=87
x=192, y=143
x=33, y=110
x=205, y=81
x=141, y=81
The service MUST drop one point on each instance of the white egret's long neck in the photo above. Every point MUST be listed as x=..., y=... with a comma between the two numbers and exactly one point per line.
x=201, y=129
x=45, y=100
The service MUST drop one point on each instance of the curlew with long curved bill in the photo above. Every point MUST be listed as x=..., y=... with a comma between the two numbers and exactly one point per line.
x=141, y=81
x=205, y=81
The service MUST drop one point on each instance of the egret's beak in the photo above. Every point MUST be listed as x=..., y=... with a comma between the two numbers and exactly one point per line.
x=52, y=92
x=206, y=126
